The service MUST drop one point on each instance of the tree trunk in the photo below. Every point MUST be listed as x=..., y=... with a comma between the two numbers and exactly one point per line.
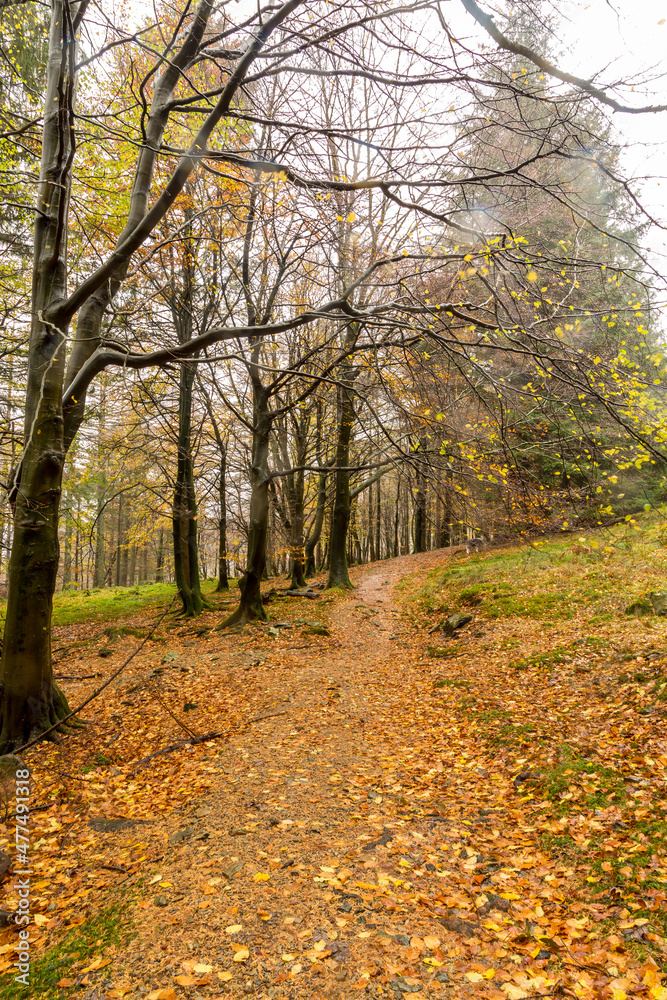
x=184, y=518
x=159, y=562
x=420, y=514
x=316, y=530
x=31, y=701
x=250, y=607
x=223, y=582
x=67, y=550
x=340, y=518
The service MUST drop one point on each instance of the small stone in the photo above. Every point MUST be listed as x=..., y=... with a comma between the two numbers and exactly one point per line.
x=455, y=621
x=160, y=901
x=239, y=831
x=181, y=834
x=231, y=870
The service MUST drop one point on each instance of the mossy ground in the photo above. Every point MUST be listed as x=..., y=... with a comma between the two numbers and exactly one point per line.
x=68, y=957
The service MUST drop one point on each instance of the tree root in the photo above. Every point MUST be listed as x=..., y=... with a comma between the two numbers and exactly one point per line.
x=242, y=616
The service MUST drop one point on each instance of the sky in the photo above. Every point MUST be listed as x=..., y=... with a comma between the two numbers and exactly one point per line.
x=604, y=41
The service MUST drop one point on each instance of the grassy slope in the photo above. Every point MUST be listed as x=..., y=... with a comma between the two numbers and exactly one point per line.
x=76, y=607
x=568, y=692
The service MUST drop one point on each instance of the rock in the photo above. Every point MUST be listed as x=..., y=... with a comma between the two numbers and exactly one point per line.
x=441, y=976
x=639, y=608
x=9, y=765
x=458, y=926
x=239, y=831
x=494, y=902
x=161, y=901
x=6, y=918
x=402, y=939
x=401, y=985
x=113, y=825
x=455, y=621
x=317, y=630
x=170, y=657
x=5, y=863
x=659, y=602
x=181, y=834
x=231, y=870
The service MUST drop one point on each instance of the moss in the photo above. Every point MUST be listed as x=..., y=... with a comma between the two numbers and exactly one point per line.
x=68, y=958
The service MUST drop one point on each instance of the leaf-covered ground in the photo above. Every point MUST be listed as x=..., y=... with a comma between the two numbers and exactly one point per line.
x=387, y=811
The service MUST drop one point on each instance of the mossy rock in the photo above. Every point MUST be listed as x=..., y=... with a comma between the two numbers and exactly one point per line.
x=639, y=608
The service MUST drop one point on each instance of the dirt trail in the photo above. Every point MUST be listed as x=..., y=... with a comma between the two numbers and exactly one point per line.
x=296, y=807
x=370, y=821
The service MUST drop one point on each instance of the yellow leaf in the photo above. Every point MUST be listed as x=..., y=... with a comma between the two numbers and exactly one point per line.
x=233, y=928
x=242, y=955
x=513, y=992
x=186, y=980
x=432, y=942
x=225, y=976
x=352, y=216
x=40, y=919
x=164, y=994
x=260, y=877
x=474, y=977
x=288, y=958
x=434, y=962
x=202, y=969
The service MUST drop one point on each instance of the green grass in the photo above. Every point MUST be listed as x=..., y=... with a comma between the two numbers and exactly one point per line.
x=556, y=579
x=110, y=927
x=108, y=604
x=577, y=783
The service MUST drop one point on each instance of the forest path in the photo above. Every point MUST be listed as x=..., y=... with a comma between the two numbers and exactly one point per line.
x=374, y=815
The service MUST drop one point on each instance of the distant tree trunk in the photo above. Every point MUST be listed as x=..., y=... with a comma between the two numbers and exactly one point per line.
x=159, y=562
x=251, y=607
x=124, y=548
x=316, y=530
x=420, y=513
x=223, y=582
x=184, y=514
x=67, y=550
x=340, y=518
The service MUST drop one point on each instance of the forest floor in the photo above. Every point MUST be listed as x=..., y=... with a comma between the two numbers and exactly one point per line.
x=386, y=811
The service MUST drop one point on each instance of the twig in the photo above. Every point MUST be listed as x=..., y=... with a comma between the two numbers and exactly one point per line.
x=195, y=741
x=95, y=694
x=71, y=677
x=186, y=729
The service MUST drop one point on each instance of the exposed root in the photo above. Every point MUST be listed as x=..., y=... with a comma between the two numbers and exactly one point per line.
x=243, y=615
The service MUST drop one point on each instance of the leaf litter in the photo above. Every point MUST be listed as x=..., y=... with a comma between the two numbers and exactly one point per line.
x=391, y=822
